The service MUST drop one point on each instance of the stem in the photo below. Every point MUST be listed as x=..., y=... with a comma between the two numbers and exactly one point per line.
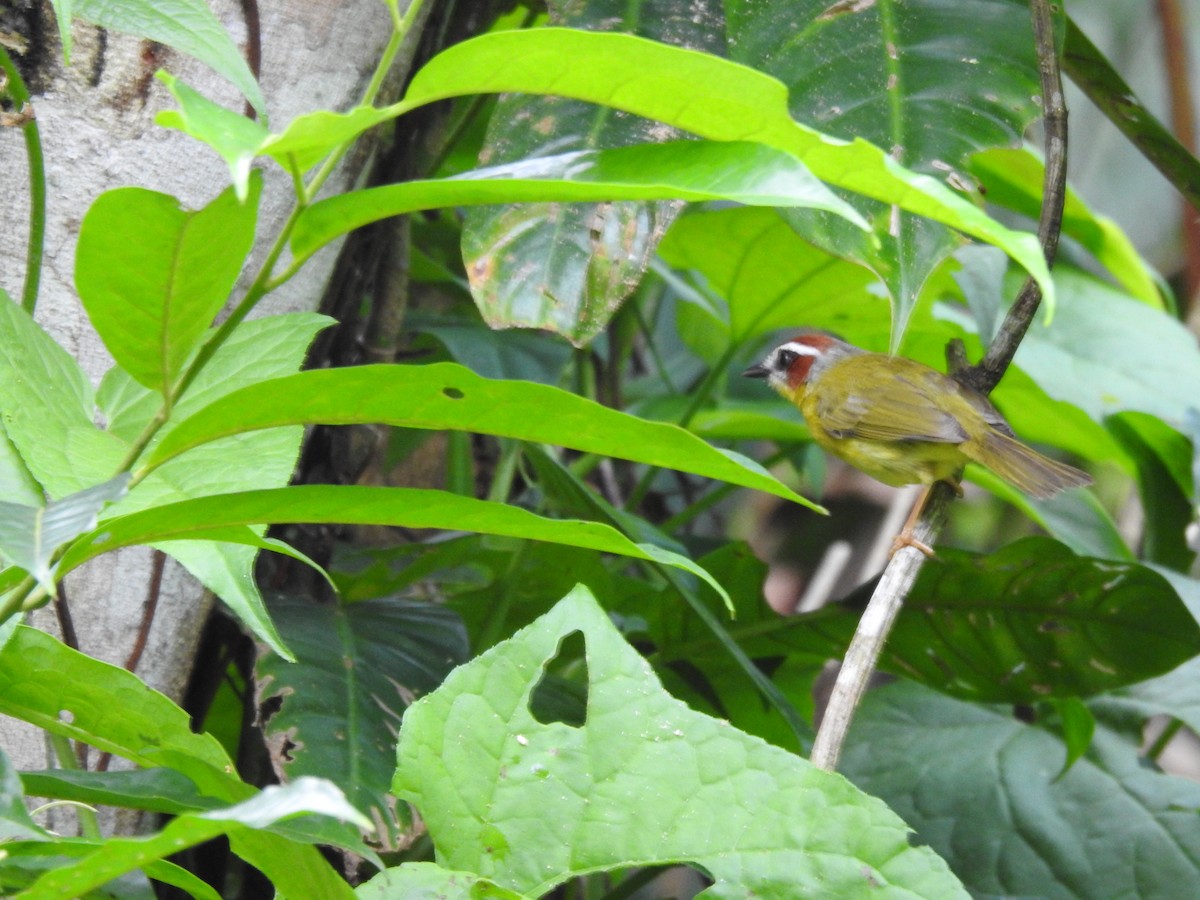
x=901, y=572
x=1155, y=750
x=15, y=88
x=263, y=282
x=65, y=754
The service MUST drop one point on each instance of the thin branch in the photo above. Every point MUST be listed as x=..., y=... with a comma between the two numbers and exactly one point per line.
x=900, y=574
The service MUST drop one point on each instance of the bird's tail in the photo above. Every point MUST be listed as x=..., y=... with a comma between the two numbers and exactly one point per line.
x=1036, y=475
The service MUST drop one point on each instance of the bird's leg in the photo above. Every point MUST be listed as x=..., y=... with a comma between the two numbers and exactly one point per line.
x=905, y=537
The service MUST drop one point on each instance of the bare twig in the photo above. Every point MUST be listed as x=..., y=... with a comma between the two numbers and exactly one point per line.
x=901, y=572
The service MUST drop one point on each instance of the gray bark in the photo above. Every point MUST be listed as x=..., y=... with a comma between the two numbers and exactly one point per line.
x=99, y=133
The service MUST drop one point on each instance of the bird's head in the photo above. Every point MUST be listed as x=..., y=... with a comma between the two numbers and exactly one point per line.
x=789, y=366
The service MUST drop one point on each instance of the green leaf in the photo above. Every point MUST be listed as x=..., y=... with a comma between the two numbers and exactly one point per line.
x=707, y=96
x=119, y=855
x=358, y=667
x=981, y=788
x=1013, y=178
x=1109, y=353
x=235, y=138
x=186, y=25
x=568, y=267
x=211, y=518
x=62, y=13
x=49, y=685
x=16, y=483
x=238, y=140
x=1078, y=727
x=152, y=276
x=770, y=276
x=159, y=790
x=687, y=170
x=47, y=409
x=429, y=881
x=1163, y=457
x=447, y=396
x=1028, y=622
x=928, y=80
x=642, y=781
x=30, y=535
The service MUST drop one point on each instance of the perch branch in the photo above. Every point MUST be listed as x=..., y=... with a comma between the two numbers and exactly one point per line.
x=901, y=572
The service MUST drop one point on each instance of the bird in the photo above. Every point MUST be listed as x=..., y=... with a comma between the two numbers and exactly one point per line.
x=902, y=422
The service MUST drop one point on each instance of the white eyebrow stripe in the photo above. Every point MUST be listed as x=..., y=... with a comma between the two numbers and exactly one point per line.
x=800, y=349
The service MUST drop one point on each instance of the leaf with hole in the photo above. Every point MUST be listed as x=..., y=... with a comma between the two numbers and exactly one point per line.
x=642, y=781
x=448, y=396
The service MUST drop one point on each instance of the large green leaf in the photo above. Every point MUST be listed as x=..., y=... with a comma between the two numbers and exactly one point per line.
x=568, y=267
x=642, y=781
x=186, y=25
x=1109, y=353
x=448, y=396
x=47, y=407
x=152, y=275
x=931, y=81
x=221, y=518
x=709, y=97
x=983, y=789
x=358, y=667
x=754, y=174
x=1030, y=621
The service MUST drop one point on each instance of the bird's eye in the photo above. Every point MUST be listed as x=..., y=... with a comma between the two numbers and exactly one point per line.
x=786, y=358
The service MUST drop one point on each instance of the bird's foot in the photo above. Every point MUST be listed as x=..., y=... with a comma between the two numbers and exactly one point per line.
x=905, y=539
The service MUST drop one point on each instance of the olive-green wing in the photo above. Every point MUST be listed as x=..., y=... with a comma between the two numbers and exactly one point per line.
x=894, y=400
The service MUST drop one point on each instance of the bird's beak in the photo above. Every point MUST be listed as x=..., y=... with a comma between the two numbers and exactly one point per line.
x=759, y=371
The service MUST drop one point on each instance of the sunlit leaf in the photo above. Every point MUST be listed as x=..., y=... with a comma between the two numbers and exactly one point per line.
x=529, y=804
x=447, y=396
x=152, y=276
